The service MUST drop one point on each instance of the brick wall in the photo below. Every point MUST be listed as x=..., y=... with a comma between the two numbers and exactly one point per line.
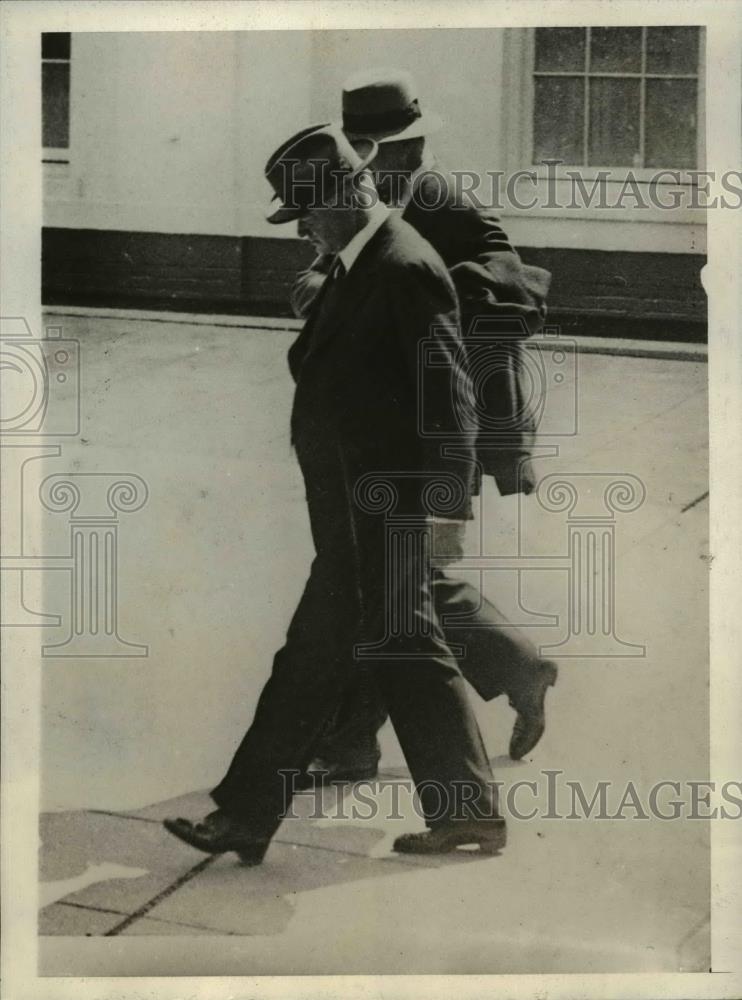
x=653, y=295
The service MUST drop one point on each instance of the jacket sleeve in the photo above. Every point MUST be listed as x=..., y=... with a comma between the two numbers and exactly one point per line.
x=489, y=275
x=500, y=285
x=307, y=285
x=426, y=317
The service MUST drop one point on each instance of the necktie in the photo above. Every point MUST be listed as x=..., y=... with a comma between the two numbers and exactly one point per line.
x=329, y=293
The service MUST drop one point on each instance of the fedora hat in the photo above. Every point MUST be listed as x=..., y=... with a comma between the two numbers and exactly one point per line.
x=310, y=169
x=382, y=104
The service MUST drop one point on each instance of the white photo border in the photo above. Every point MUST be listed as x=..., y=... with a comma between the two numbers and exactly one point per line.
x=21, y=245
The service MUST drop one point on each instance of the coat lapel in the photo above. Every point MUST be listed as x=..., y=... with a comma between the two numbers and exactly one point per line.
x=305, y=343
x=339, y=299
x=334, y=311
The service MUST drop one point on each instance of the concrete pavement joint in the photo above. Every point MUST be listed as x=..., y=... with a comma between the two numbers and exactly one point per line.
x=108, y=812
x=671, y=519
x=118, y=815
x=697, y=926
x=121, y=913
x=393, y=859
x=626, y=550
x=167, y=891
x=694, y=502
x=89, y=906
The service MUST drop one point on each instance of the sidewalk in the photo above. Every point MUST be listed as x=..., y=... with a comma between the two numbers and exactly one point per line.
x=331, y=897
x=204, y=584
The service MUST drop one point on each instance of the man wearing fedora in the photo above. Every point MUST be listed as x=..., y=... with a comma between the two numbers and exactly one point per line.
x=501, y=297
x=355, y=432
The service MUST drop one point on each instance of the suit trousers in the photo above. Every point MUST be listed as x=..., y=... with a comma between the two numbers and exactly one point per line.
x=419, y=682
x=497, y=659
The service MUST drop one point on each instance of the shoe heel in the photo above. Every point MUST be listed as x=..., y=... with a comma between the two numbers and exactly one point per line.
x=252, y=857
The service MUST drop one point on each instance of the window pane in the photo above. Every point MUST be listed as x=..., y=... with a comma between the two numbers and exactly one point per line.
x=560, y=49
x=558, y=119
x=614, y=123
x=55, y=45
x=672, y=50
x=55, y=104
x=671, y=126
x=616, y=50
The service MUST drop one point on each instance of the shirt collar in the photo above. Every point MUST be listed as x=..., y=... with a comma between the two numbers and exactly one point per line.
x=377, y=217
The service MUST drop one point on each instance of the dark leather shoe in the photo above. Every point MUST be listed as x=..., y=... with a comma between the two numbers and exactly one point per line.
x=531, y=719
x=489, y=834
x=218, y=833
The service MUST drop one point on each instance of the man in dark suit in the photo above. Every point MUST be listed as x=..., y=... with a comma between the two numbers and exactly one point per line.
x=501, y=298
x=354, y=417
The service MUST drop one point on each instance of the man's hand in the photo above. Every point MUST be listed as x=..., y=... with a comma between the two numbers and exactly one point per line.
x=307, y=285
x=447, y=541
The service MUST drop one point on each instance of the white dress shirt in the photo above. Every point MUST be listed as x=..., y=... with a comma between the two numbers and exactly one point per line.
x=376, y=218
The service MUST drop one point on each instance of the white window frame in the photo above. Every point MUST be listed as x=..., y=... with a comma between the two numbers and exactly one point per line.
x=518, y=107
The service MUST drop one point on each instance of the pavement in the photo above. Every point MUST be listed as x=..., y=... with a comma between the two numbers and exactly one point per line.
x=210, y=570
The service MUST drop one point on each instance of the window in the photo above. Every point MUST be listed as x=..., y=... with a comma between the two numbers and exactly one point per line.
x=55, y=95
x=616, y=97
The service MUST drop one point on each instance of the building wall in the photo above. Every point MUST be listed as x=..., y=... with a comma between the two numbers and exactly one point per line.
x=170, y=132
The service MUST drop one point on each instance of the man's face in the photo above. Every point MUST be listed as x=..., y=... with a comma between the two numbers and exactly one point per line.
x=393, y=165
x=325, y=228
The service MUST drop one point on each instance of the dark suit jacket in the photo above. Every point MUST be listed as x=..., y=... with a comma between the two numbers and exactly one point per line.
x=502, y=302
x=355, y=408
